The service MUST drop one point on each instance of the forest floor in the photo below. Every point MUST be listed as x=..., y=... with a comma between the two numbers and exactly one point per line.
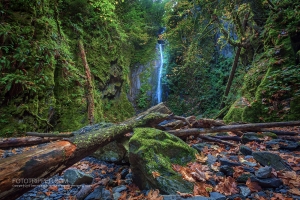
x=219, y=172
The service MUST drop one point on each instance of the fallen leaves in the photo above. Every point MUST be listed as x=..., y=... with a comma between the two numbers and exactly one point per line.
x=201, y=157
x=253, y=186
x=155, y=174
x=227, y=187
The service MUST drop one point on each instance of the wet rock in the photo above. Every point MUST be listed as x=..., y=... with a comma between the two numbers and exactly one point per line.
x=152, y=150
x=217, y=196
x=250, y=137
x=200, y=146
x=266, y=158
x=234, y=158
x=245, y=191
x=268, y=182
x=227, y=170
x=283, y=144
x=211, y=159
x=245, y=150
x=250, y=164
x=77, y=177
x=225, y=161
x=95, y=195
x=248, y=169
x=243, y=178
x=177, y=197
x=264, y=172
x=124, y=173
x=119, y=188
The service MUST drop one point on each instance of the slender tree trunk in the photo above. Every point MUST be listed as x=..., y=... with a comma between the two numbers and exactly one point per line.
x=90, y=92
x=41, y=163
x=232, y=73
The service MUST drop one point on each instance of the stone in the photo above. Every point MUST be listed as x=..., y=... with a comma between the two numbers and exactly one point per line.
x=243, y=178
x=225, y=161
x=119, y=188
x=77, y=177
x=267, y=182
x=95, y=195
x=250, y=164
x=251, y=136
x=211, y=159
x=152, y=150
x=264, y=172
x=177, y=197
x=245, y=191
x=112, y=152
x=227, y=170
x=283, y=144
x=200, y=146
x=245, y=150
x=217, y=196
x=269, y=159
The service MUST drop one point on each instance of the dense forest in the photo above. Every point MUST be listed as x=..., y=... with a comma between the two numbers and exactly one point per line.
x=69, y=63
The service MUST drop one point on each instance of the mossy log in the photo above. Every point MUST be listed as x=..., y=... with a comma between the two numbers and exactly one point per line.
x=41, y=163
x=241, y=127
x=24, y=141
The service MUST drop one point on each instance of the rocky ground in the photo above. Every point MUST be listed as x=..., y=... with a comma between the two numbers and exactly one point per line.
x=260, y=167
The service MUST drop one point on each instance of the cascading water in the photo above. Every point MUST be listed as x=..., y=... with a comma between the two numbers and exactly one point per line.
x=159, y=88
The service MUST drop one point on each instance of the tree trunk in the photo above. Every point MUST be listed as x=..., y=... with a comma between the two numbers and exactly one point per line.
x=90, y=92
x=24, y=141
x=241, y=127
x=58, y=156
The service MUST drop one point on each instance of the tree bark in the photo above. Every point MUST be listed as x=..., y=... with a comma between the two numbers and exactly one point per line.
x=24, y=141
x=90, y=92
x=49, y=134
x=58, y=156
x=241, y=127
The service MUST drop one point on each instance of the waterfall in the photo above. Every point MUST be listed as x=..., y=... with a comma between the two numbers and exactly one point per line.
x=159, y=88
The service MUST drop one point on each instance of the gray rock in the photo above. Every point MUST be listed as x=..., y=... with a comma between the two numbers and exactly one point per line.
x=243, y=178
x=227, y=170
x=217, y=196
x=266, y=158
x=268, y=182
x=77, y=177
x=245, y=191
x=250, y=164
x=199, y=147
x=119, y=188
x=211, y=159
x=251, y=136
x=264, y=172
x=225, y=161
x=152, y=150
x=245, y=150
x=177, y=197
x=283, y=144
x=95, y=195
x=117, y=195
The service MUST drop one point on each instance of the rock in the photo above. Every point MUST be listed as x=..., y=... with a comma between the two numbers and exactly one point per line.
x=117, y=195
x=177, y=197
x=119, y=188
x=245, y=191
x=199, y=146
x=225, y=161
x=243, y=178
x=152, y=150
x=217, y=196
x=248, y=169
x=264, y=172
x=283, y=144
x=77, y=177
x=112, y=152
x=124, y=173
x=95, y=195
x=227, y=170
x=250, y=164
x=211, y=159
x=251, y=136
x=234, y=158
x=245, y=150
x=275, y=161
x=268, y=182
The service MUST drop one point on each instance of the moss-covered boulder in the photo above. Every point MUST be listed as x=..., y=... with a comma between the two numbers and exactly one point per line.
x=152, y=150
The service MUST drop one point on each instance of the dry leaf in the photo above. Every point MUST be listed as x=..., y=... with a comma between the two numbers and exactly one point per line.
x=154, y=195
x=176, y=167
x=253, y=186
x=53, y=188
x=201, y=157
x=155, y=174
x=228, y=187
x=48, y=193
x=202, y=189
x=295, y=191
x=184, y=195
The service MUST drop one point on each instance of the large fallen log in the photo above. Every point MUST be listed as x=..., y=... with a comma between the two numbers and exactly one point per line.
x=24, y=141
x=240, y=127
x=18, y=172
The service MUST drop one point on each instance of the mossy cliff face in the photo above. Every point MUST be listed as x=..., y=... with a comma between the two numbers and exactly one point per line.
x=43, y=82
x=271, y=88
